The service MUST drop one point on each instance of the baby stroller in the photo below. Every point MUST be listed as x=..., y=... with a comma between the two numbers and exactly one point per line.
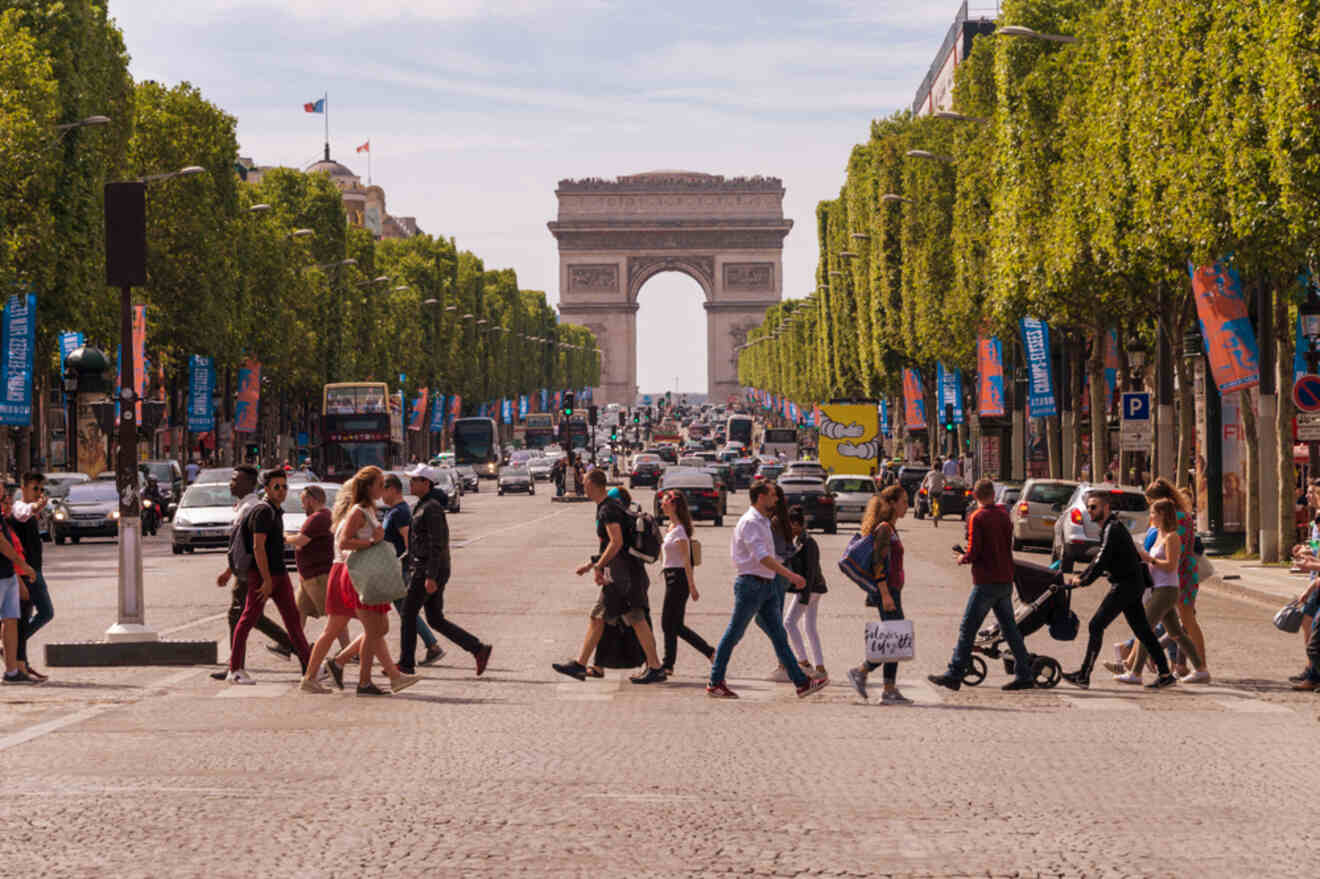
x=1041, y=599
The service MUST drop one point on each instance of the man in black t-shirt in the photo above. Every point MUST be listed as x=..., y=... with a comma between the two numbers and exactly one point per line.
x=268, y=577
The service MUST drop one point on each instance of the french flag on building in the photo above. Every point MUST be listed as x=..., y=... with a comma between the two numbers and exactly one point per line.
x=317, y=106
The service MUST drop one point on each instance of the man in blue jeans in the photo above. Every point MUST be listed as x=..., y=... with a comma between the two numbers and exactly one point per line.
x=990, y=553
x=756, y=597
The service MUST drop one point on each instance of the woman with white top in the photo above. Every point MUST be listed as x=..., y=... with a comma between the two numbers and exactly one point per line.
x=680, y=584
x=1163, y=559
x=354, y=521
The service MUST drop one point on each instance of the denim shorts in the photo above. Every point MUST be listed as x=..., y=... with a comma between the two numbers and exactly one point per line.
x=9, y=598
x=1312, y=604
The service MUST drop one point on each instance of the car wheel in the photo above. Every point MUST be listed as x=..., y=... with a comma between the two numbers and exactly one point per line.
x=74, y=538
x=719, y=521
x=188, y=549
x=59, y=541
x=177, y=550
x=1017, y=545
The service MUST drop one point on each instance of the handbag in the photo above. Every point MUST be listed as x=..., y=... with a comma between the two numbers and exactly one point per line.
x=696, y=551
x=376, y=574
x=858, y=563
x=1289, y=618
x=890, y=641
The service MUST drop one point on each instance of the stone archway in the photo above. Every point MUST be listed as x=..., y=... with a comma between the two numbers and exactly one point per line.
x=615, y=235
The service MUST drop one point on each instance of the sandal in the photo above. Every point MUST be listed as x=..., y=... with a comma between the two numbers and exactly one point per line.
x=594, y=671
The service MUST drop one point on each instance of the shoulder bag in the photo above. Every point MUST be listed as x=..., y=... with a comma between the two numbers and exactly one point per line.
x=1289, y=618
x=376, y=574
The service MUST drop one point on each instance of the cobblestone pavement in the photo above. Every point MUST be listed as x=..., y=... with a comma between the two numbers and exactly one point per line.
x=163, y=772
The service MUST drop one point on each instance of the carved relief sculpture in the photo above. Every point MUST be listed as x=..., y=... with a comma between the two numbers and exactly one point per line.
x=602, y=278
x=753, y=276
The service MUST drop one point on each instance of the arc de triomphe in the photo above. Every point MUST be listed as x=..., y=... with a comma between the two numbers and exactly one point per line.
x=614, y=235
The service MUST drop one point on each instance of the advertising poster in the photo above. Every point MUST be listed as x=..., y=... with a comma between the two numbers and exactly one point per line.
x=1040, y=376
x=201, y=388
x=418, y=413
x=885, y=429
x=848, y=437
x=949, y=382
x=914, y=405
x=19, y=339
x=249, y=396
x=455, y=407
x=990, y=377
x=139, y=357
x=1230, y=340
x=1111, y=369
x=438, y=411
x=522, y=407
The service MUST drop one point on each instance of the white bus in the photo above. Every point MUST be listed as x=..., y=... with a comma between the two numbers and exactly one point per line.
x=776, y=440
x=739, y=429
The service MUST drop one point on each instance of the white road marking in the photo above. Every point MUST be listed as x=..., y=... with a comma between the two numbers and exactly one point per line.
x=59, y=723
x=1101, y=703
x=254, y=691
x=1254, y=706
x=206, y=619
x=462, y=543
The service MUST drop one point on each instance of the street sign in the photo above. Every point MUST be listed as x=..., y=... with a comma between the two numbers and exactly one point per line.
x=1308, y=427
x=1136, y=432
x=1306, y=393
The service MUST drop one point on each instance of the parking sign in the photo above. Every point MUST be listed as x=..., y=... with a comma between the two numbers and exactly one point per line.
x=1137, y=431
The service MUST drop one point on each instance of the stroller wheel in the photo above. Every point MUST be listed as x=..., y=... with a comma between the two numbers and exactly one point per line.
x=1048, y=672
x=975, y=672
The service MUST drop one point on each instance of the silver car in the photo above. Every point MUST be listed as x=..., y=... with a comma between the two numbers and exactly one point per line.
x=851, y=495
x=1075, y=535
x=1037, y=510
x=515, y=478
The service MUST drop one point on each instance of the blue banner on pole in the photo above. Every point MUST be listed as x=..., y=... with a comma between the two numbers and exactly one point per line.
x=506, y=410
x=885, y=429
x=69, y=342
x=950, y=385
x=20, y=336
x=522, y=407
x=438, y=411
x=545, y=400
x=1040, y=377
x=201, y=387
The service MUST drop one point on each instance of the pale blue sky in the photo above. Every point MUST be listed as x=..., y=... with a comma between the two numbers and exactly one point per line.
x=476, y=108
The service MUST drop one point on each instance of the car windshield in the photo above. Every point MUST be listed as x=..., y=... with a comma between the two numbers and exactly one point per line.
x=94, y=492
x=1050, y=493
x=514, y=471
x=800, y=483
x=214, y=475
x=209, y=496
x=852, y=485
x=293, y=503
x=162, y=470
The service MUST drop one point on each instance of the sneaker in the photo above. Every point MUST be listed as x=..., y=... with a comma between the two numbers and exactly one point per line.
x=813, y=685
x=1019, y=684
x=434, y=654
x=370, y=690
x=17, y=677
x=336, y=671
x=573, y=669
x=1306, y=684
x=483, y=657
x=310, y=686
x=280, y=651
x=1119, y=657
x=1164, y=680
x=219, y=675
x=403, y=682
x=820, y=672
x=1129, y=677
x=36, y=675
x=779, y=675
x=1078, y=679
x=239, y=676
x=805, y=666
x=720, y=691
x=1116, y=668
x=1196, y=677
x=650, y=676
x=893, y=697
x=1302, y=675
x=857, y=678
x=945, y=680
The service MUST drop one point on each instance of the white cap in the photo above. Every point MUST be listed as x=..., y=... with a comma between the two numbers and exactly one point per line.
x=427, y=472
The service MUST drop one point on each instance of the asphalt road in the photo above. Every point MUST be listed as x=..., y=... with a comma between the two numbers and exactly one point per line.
x=163, y=772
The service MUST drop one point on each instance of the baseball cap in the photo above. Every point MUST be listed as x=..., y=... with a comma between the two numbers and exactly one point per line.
x=427, y=472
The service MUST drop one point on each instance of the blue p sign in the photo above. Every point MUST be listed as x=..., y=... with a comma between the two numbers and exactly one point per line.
x=1136, y=407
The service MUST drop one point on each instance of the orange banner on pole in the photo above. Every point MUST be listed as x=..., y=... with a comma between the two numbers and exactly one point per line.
x=249, y=396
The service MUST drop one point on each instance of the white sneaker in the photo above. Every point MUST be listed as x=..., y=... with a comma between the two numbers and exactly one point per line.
x=1130, y=677
x=240, y=676
x=780, y=675
x=1196, y=677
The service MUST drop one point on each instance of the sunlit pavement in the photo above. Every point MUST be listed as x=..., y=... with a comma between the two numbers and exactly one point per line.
x=161, y=771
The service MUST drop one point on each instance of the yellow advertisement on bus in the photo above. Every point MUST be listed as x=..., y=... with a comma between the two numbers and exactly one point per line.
x=849, y=438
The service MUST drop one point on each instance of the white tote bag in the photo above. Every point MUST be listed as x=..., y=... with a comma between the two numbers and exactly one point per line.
x=890, y=641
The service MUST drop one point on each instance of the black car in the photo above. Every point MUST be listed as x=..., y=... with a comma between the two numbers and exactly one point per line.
x=910, y=476
x=744, y=471
x=90, y=509
x=699, y=490
x=646, y=470
x=516, y=478
x=955, y=500
x=815, y=499
x=169, y=478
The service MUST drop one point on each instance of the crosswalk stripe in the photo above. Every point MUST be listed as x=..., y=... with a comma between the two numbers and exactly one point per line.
x=1100, y=703
x=1253, y=706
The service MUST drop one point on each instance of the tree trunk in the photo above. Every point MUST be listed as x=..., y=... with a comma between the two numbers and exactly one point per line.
x=1077, y=379
x=1285, y=503
x=1252, y=487
x=1186, y=413
x=1099, y=415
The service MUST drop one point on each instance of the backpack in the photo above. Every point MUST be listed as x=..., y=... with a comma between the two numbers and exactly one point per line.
x=642, y=535
x=240, y=546
x=858, y=562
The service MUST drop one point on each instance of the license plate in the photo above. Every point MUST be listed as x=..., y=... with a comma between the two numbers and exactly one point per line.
x=1049, y=520
x=215, y=532
x=90, y=523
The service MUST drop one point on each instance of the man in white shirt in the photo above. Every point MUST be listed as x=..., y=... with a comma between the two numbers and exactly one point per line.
x=755, y=596
x=933, y=483
x=951, y=466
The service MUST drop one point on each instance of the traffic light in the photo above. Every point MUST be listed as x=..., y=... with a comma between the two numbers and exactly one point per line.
x=591, y=415
x=568, y=402
x=948, y=417
x=637, y=416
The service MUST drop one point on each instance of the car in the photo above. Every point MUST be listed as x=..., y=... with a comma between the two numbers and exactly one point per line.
x=910, y=477
x=646, y=470
x=515, y=478
x=294, y=517
x=214, y=476
x=540, y=467
x=444, y=459
x=769, y=471
x=305, y=474
x=1007, y=493
x=744, y=472
x=723, y=475
x=1075, y=535
x=698, y=489
x=851, y=495
x=56, y=485
x=90, y=509
x=814, y=498
x=448, y=483
x=467, y=475
x=1038, y=507
x=806, y=468
x=204, y=518
x=955, y=500
x=169, y=477
x=692, y=461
